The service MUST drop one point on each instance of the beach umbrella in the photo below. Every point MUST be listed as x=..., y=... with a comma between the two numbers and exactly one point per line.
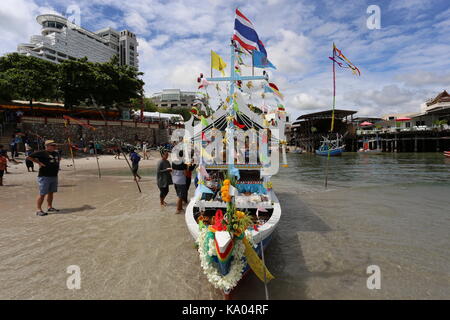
x=366, y=123
x=402, y=119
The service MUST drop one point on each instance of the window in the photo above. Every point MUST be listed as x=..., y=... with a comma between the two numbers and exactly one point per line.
x=391, y=118
x=408, y=124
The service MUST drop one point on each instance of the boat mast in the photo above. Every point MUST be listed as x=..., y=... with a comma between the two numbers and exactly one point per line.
x=230, y=130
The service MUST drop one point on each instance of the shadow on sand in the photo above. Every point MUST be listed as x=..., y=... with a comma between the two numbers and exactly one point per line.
x=85, y=207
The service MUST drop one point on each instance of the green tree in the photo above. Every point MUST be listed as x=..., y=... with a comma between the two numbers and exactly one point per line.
x=76, y=81
x=149, y=105
x=27, y=78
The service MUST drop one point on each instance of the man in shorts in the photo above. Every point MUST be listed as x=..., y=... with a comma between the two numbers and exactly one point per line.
x=48, y=161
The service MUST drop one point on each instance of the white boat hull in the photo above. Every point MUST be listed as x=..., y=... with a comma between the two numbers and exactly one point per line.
x=264, y=231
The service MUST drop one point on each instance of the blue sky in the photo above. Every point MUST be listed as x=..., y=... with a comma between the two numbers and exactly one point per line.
x=402, y=64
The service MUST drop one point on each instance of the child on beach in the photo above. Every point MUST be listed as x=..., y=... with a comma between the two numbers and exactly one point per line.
x=3, y=161
x=4, y=153
x=163, y=176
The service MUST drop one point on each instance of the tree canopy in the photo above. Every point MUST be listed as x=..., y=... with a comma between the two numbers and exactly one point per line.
x=71, y=81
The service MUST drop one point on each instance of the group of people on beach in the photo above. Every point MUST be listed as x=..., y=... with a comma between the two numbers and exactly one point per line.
x=48, y=160
x=178, y=174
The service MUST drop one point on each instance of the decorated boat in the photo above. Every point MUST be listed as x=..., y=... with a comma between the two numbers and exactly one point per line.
x=331, y=147
x=234, y=211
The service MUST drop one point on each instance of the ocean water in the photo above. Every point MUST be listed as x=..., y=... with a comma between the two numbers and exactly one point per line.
x=389, y=210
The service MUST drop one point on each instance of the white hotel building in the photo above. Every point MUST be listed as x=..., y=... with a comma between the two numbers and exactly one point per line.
x=61, y=39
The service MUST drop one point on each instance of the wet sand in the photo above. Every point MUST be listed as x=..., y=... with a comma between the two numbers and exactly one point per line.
x=125, y=244
x=128, y=247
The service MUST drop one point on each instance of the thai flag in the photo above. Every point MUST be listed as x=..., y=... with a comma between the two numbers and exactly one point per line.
x=245, y=34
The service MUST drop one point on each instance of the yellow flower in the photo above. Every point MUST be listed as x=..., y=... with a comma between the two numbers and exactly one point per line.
x=240, y=214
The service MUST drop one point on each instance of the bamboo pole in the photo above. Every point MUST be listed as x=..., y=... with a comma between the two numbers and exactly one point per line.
x=332, y=115
x=70, y=145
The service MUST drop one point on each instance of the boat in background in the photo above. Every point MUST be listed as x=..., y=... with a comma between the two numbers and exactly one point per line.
x=331, y=147
x=366, y=147
x=447, y=154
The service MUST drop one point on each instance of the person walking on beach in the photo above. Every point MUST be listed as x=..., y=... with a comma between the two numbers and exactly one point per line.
x=28, y=152
x=48, y=161
x=4, y=153
x=117, y=152
x=145, y=150
x=3, y=164
x=179, y=173
x=135, y=158
x=13, y=146
x=163, y=176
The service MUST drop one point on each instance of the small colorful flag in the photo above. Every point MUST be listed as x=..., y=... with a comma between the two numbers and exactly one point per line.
x=260, y=60
x=237, y=124
x=204, y=121
x=275, y=89
x=218, y=63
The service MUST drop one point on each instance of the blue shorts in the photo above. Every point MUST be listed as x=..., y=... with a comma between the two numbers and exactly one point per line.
x=47, y=185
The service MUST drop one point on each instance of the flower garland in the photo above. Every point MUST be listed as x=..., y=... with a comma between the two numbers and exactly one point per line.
x=207, y=251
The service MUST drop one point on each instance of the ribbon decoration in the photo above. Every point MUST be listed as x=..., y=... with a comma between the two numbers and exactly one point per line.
x=255, y=262
x=338, y=53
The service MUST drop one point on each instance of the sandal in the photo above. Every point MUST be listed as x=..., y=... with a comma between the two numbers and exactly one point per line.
x=41, y=213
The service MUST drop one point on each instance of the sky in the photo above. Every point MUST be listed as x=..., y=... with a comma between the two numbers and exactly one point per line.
x=403, y=63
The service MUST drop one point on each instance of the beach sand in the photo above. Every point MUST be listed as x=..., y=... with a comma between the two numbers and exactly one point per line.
x=126, y=245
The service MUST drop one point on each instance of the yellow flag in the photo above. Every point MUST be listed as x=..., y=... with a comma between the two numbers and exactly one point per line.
x=218, y=63
x=255, y=262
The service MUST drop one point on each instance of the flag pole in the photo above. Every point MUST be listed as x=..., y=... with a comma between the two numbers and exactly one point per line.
x=253, y=65
x=332, y=115
x=70, y=144
x=211, y=63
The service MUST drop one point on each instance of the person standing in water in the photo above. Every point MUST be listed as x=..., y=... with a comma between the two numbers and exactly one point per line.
x=135, y=158
x=163, y=175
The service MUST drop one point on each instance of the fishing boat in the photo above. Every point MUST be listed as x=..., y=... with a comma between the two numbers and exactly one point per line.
x=234, y=210
x=366, y=147
x=447, y=154
x=331, y=147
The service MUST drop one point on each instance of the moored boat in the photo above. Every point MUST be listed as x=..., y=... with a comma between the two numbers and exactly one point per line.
x=234, y=210
x=331, y=147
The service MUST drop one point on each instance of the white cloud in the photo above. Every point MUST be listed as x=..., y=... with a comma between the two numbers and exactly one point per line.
x=425, y=78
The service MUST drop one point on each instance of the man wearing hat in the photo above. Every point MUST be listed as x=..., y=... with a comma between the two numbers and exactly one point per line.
x=48, y=161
